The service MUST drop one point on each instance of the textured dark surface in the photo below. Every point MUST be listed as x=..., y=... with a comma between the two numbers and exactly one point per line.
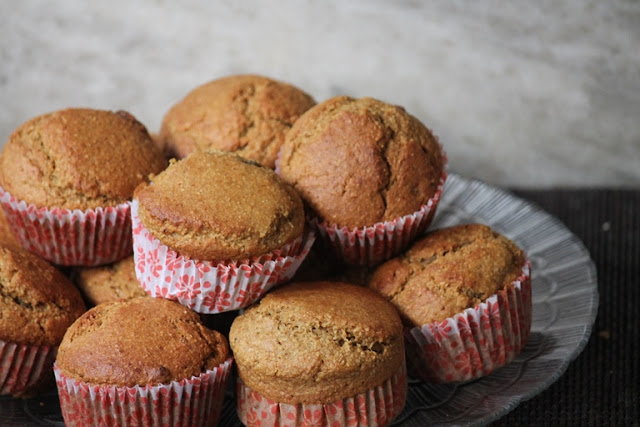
x=602, y=385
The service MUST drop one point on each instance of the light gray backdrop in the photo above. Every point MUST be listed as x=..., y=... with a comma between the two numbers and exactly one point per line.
x=527, y=94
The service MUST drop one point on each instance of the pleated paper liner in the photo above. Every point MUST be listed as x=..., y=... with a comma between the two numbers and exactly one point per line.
x=212, y=286
x=375, y=407
x=70, y=237
x=190, y=402
x=371, y=245
x=25, y=368
x=477, y=341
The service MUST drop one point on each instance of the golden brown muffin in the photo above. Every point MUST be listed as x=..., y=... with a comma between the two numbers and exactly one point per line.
x=245, y=114
x=78, y=159
x=37, y=302
x=138, y=342
x=448, y=271
x=109, y=283
x=317, y=342
x=357, y=162
x=217, y=206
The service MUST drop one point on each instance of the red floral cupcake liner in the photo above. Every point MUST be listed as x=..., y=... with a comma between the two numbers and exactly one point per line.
x=375, y=407
x=477, y=341
x=70, y=237
x=189, y=402
x=370, y=245
x=212, y=286
x=23, y=367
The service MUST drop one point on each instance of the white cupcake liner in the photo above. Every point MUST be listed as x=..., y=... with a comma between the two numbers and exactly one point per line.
x=212, y=286
x=477, y=341
x=371, y=245
x=24, y=366
x=189, y=402
x=70, y=237
x=375, y=407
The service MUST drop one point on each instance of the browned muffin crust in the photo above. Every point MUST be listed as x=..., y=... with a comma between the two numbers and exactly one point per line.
x=37, y=302
x=217, y=206
x=6, y=235
x=138, y=342
x=245, y=114
x=448, y=271
x=317, y=342
x=357, y=162
x=108, y=283
x=78, y=159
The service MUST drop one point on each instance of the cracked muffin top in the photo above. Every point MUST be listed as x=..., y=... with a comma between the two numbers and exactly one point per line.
x=138, y=342
x=448, y=271
x=78, y=158
x=108, y=283
x=245, y=114
x=214, y=205
x=317, y=342
x=37, y=302
x=357, y=162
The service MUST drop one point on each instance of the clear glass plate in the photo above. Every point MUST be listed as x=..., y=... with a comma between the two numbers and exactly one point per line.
x=565, y=303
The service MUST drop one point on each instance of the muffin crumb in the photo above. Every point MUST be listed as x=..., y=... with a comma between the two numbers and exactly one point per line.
x=448, y=271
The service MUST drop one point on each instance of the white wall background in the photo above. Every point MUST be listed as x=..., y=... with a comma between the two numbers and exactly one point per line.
x=522, y=94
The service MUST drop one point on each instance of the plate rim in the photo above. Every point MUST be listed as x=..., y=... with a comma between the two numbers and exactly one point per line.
x=472, y=184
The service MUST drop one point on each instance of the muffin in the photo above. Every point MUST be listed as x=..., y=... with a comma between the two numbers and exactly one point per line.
x=155, y=365
x=6, y=235
x=66, y=178
x=371, y=173
x=326, y=352
x=245, y=114
x=109, y=282
x=38, y=304
x=215, y=231
x=465, y=294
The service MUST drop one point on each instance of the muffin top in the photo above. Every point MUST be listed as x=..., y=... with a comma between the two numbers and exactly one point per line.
x=138, y=342
x=108, y=283
x=37, y=302
x=78, y=159
x=317, y=342
x=245, y=114
x=357, y=162
x=218, y=206
x=448, y=271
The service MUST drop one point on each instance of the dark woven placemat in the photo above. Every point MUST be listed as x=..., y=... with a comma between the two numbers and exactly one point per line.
x=602, y=386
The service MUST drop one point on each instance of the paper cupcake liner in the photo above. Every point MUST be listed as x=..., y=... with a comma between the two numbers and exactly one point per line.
x=477, y=341
x=70, y=237
x=189, y=402
x=212, y=286
x=370, y=245
x=375, y=407
x=24, y=367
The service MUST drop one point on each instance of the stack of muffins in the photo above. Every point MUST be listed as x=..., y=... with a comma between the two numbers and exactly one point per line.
x=258, y=177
